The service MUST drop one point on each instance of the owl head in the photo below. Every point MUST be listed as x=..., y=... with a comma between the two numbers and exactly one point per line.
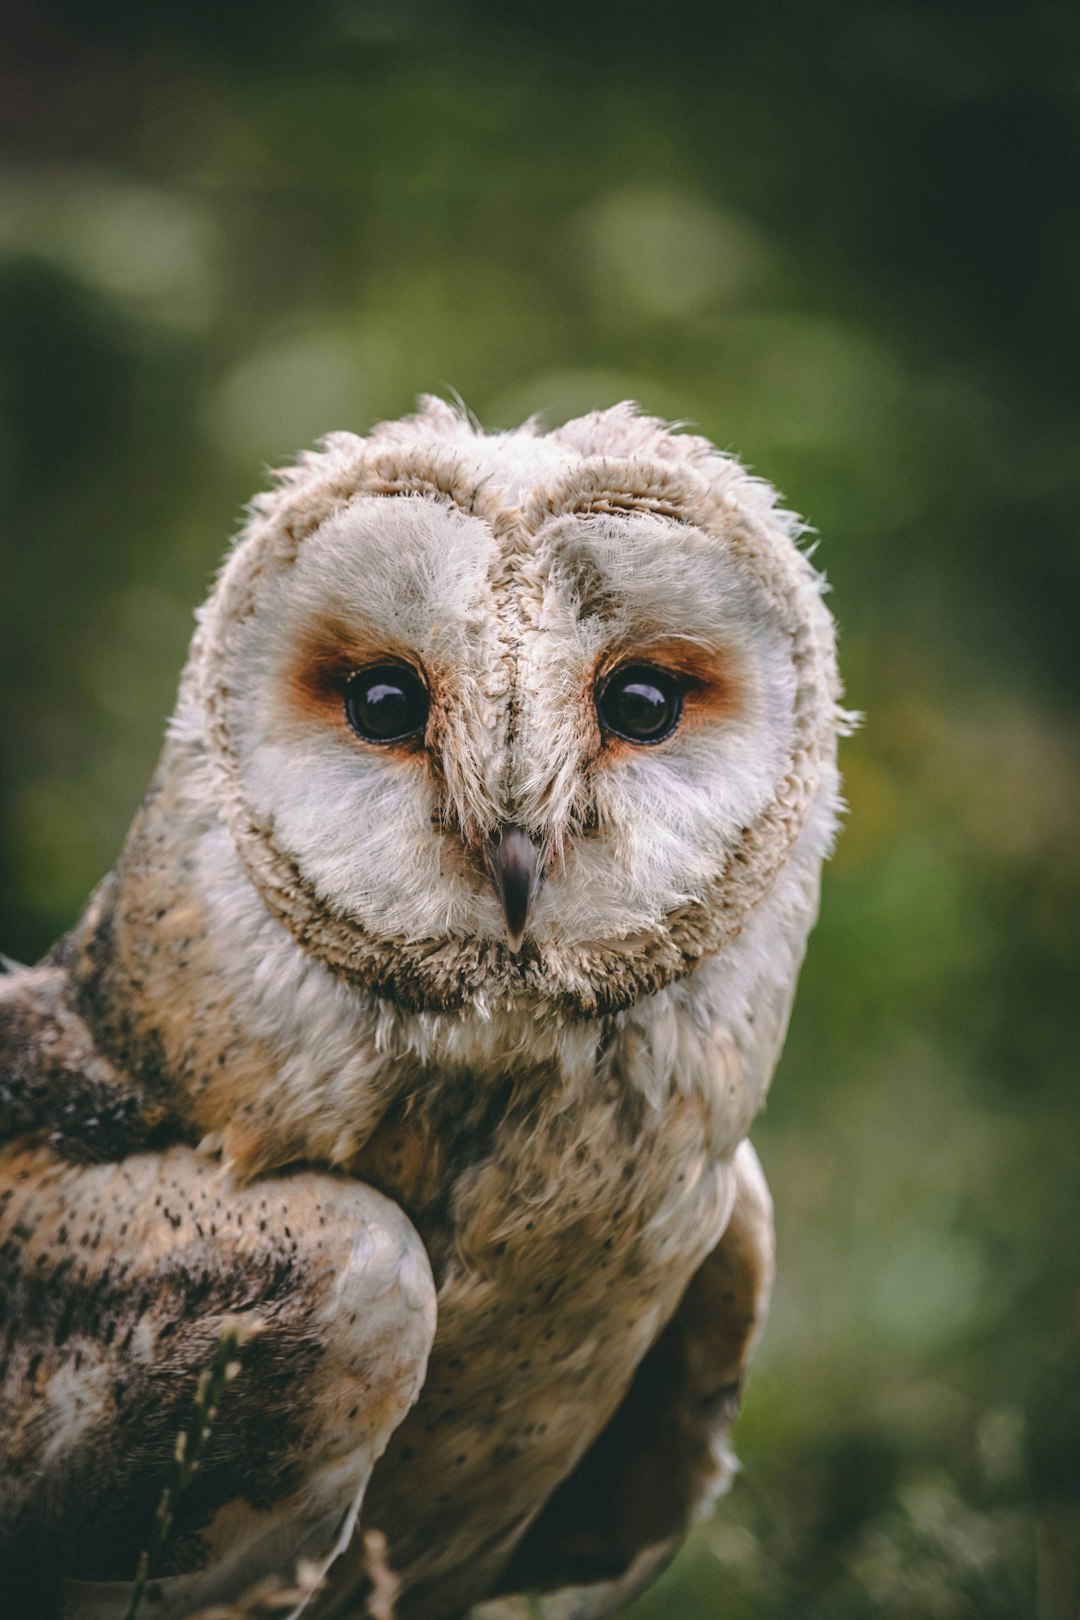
x=520, y=715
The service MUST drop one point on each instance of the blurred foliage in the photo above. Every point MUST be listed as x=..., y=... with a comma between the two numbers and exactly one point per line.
x=841, y=238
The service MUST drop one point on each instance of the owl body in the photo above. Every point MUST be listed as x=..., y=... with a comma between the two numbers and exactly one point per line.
x=501, y=993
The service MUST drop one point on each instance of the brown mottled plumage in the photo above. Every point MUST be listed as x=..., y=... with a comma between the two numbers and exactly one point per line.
x=474, y=1187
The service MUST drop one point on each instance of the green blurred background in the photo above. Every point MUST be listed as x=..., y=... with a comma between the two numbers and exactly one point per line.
x=842, y=239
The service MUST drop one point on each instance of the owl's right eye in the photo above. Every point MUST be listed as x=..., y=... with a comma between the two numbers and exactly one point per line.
x=386, y=703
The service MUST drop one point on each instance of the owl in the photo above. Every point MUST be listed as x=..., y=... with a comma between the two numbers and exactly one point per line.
x=415, y=1039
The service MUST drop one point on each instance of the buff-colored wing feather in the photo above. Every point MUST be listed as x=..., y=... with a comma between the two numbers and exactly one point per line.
x=117, y=1280
x=666, y=1455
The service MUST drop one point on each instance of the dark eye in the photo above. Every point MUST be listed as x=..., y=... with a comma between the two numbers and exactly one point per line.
x=639, y=703
x=386, y=702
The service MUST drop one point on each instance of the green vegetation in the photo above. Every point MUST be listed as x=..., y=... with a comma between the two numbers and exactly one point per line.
x=841, y=239
x=190, y=1444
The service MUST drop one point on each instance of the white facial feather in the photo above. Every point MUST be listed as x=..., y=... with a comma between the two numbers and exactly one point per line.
x=513, y=572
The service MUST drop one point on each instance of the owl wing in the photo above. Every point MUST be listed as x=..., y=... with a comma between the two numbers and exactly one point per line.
x=123, y=1274
x=665, y=1455
x=56, y=1086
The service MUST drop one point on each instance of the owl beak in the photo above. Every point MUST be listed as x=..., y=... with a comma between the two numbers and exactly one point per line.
x=516, y=871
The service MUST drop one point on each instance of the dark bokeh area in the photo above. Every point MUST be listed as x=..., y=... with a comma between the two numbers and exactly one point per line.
x=842, y=239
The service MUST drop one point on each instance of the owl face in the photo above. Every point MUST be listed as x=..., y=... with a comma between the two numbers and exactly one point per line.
x=516, y=716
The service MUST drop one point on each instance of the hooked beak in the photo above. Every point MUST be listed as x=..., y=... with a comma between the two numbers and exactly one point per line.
x=514, y=863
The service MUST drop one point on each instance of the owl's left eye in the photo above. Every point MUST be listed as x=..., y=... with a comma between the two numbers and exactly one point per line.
x=386, y=703
x=640, y=703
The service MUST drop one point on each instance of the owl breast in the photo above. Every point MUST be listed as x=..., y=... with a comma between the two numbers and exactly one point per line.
x=561, y=1240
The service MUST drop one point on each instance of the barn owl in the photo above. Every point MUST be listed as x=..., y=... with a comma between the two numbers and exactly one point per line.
x=417, y=1033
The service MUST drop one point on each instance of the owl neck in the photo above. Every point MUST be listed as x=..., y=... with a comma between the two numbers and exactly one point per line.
x=193, y=989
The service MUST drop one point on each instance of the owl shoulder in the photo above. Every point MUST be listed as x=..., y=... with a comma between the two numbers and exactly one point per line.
x=56, y=1086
